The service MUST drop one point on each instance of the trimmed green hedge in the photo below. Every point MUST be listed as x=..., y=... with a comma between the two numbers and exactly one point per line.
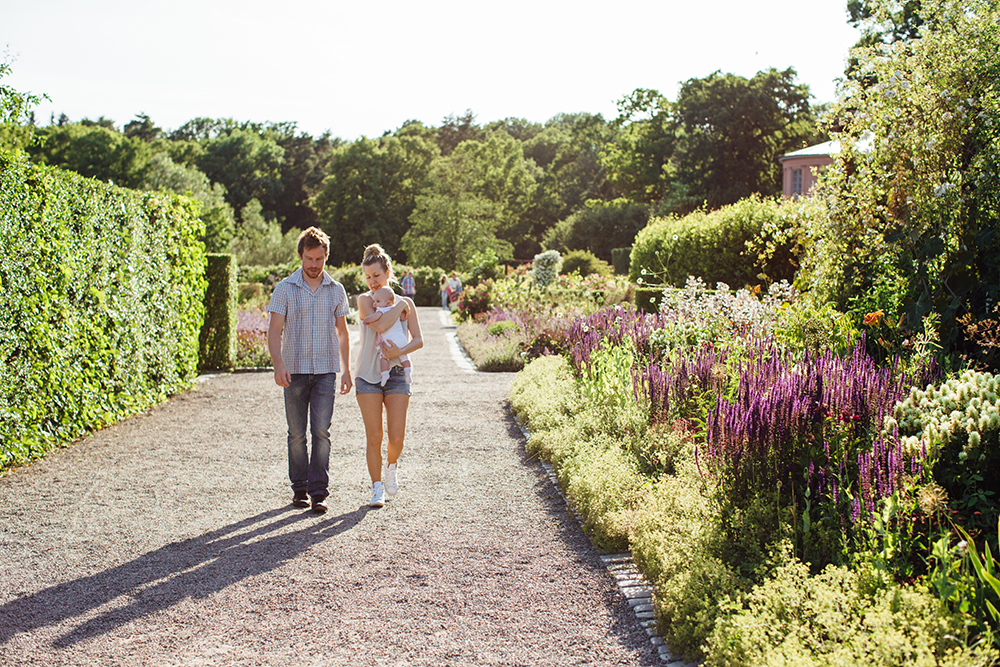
x=102, y=294
x=620, y=260
x=217, y=343
x=647, y=299
x=713, y=245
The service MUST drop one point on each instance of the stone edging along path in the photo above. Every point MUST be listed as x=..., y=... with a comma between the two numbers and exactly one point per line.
x=630, y=582
x=169, y=539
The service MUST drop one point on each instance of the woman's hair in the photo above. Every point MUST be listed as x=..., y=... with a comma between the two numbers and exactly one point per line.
x=374, y=253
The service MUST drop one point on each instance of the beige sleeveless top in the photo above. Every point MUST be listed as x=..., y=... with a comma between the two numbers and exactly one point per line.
x=367, y=366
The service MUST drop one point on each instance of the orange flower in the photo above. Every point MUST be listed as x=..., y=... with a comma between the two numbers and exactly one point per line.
x=873, y=318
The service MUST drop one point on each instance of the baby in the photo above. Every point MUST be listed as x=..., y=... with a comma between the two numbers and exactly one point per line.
x=384, y=299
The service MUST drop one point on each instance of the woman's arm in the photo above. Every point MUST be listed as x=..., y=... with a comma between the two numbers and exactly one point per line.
x=366, y=306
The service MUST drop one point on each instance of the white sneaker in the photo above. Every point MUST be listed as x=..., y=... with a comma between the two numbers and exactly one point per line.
x=378, y=495
x=391, y=480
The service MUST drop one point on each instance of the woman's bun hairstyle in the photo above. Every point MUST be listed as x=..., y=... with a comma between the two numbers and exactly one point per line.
x=375, y=253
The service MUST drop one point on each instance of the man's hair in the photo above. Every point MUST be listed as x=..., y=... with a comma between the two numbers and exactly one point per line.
x=313, y=238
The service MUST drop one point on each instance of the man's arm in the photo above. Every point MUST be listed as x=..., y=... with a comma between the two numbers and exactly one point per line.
x=344, y=344
x=282, y=377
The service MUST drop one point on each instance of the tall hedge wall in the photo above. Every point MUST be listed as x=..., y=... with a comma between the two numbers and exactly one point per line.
x=218, y=334
x=713, y=245
x=102, y=293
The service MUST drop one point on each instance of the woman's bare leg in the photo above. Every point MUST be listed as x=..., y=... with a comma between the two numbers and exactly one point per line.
x=371, y=414
x=396, y=406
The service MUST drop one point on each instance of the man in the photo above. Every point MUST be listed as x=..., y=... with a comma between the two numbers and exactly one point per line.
x=409, y=285
x=309, y=344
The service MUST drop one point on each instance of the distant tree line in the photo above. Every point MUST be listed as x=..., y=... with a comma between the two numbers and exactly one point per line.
x=436, y=196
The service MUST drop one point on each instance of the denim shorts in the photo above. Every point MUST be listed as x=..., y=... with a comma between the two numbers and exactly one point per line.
x=397, y=384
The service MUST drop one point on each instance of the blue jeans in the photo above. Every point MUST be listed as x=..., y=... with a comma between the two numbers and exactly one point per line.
x=309, y=400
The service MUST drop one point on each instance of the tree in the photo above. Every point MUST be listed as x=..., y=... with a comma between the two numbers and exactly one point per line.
x=495, y=169
x=248, y=165
x=220, y=223
x=915, y=192
x=306, y=163
x=370, y=191
x=599, y=227
x=735, y=129
x=450, y=223
x=454, y=130
x=638, y=163
x=15, y=107
x=142, y=128
x=94, y=150
x=568, y=151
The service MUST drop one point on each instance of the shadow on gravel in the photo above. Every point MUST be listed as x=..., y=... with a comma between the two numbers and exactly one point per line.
x=193, y=568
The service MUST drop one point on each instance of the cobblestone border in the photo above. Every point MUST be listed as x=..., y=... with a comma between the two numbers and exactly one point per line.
x=630, y=582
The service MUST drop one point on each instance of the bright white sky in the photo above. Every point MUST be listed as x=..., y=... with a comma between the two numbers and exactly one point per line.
x=364, y=67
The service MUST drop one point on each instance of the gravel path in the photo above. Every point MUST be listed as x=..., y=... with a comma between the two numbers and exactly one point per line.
x=169, y=539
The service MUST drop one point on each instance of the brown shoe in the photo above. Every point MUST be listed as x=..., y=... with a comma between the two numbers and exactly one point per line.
x=319, y=504
x=300, y=499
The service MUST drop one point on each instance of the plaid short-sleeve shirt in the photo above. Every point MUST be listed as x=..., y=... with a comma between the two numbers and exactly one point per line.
x=309, y=342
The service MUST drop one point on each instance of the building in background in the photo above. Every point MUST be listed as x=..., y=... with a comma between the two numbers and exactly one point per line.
x=801, y=168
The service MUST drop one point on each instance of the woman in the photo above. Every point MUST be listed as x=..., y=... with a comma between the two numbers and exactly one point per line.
x=372, y=396
x=445, y=291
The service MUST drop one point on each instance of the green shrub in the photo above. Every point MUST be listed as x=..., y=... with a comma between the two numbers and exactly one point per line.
x=648, y=299
x=427, y=279
x=958, y=424
x=620, y=260
x=500, y=328
x=585, y=263
x=491, y=353
x=598, y=227
x=217, y=342
x=835, y=618
x=103, y=300
x=484, y=266
x=746, y=243
x=543, y=394
x=603, y=485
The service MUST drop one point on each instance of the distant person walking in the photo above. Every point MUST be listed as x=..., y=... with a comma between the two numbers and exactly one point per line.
x=409, y=285
x=445, y=291
x=455, y=283
x=309, y=344
x=394, y=396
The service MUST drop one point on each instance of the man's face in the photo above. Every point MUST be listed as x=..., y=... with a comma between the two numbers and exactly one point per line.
x=313, y=261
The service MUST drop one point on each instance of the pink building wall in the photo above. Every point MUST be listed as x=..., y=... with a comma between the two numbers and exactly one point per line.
x=808, y=162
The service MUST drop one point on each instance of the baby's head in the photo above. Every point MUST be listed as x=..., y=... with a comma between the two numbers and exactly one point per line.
x=383, y=297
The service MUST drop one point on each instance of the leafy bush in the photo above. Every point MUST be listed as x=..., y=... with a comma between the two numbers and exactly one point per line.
x=746, y=243
x=957, y=427
x=545, y=268
x=585, y=264
x=913, y=204
x=598, y=227
x=836, y=618
x=491, y=353
x=483, y=266
x=103, y=291
x=217, y=342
